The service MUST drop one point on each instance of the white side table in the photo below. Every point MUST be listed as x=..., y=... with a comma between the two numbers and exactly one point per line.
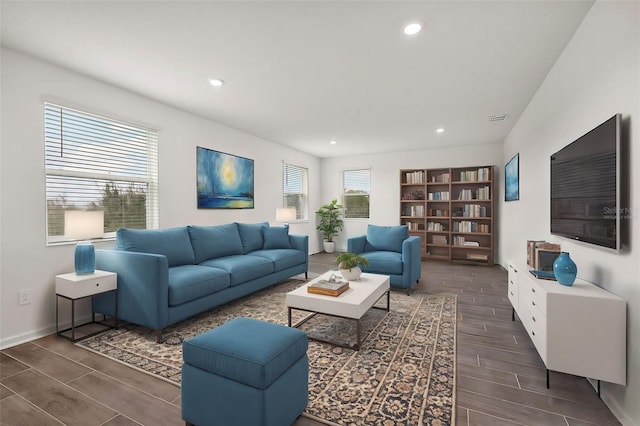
x=76, y=287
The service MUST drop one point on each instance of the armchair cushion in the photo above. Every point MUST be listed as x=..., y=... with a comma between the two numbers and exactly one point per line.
x=386, y=238
x=383, y=262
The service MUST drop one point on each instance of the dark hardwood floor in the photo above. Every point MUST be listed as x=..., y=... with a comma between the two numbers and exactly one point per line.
x=500, y=377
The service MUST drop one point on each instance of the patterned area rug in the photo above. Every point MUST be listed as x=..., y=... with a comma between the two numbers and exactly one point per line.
x=404, y=373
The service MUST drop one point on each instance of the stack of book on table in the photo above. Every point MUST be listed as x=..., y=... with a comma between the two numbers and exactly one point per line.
x=334, y=286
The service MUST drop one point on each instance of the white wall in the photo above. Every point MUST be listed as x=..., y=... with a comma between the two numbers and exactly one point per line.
x=596, y=76
x=385, y=179
x=26, y=261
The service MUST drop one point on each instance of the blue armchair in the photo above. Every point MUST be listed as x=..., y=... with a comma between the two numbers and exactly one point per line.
x=390, y=251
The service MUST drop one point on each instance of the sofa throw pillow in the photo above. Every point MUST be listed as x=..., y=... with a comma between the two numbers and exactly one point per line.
x=276, y=237
x=212, y=242
x=251, y=236
x=386, y=238
x=173, y=243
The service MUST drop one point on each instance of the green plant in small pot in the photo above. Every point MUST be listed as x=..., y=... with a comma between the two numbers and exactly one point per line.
x=349, y=265
x=330, y=223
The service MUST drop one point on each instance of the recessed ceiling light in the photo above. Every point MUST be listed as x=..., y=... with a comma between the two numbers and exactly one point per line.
x=333, y=142
x=216, y=82
x=439, y=130
x=412, y=29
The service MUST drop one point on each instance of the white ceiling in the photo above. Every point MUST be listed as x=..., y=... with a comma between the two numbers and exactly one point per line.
x=303, y=73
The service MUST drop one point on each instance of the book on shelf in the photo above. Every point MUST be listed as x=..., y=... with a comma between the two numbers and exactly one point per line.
x=471, y=244
x=481, y=174
x=435, y=226
x=414, y=177
x=438, y=196
x=331, y=287
x=440, y=239
x=477, y=256
x=440, y=178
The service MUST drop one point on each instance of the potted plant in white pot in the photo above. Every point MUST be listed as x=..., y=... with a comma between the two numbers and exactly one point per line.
x=349, y=265
x=330, y=223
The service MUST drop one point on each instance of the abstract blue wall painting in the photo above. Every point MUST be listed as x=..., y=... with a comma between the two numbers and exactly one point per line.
x=512, y=179
x=225, y=181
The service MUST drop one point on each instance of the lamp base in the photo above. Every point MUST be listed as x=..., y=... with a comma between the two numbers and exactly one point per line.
x=85, y=258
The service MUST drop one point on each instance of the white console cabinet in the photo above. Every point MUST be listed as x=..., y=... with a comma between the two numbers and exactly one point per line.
x=579, y=330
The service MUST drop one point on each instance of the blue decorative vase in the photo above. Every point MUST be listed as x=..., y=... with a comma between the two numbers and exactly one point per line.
x=565, y=269
x=85, y=258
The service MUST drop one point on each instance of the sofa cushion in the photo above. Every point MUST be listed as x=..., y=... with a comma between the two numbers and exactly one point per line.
x=242, y=268
x=281, y=258
x=386, y=238
x=246, y=350
x=210, y=242
x=251, y=235
x=190, y=282
x=383, y=262
x=174, y=243
x=276, y=237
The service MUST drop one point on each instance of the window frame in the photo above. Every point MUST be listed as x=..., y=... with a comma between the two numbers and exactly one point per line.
x=80, y=170
x=304, y=216
x=343, y=194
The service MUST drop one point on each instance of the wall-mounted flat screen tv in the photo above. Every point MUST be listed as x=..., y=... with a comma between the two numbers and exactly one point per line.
x=585, y=187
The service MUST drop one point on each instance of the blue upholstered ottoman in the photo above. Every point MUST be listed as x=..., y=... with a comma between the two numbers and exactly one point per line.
x=247, y=373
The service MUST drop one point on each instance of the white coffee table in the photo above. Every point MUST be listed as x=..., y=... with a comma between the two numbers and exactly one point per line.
x=352, y=304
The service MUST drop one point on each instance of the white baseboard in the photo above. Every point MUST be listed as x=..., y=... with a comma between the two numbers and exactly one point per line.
x=26, y=337
x=18, y=339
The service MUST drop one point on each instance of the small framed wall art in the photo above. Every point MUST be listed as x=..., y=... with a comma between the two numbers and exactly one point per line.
x=224, y=181
x=512, y=179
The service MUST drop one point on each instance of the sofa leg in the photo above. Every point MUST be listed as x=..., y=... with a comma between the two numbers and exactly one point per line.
x=159, y=336
x=188, y=424
x=306, y=275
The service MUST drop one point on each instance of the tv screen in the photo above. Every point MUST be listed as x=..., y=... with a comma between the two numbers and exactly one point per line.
x=585, y=187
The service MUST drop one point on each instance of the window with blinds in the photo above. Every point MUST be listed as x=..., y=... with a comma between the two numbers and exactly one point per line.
x=295, y=189
x=356, y=188
x=97, y=163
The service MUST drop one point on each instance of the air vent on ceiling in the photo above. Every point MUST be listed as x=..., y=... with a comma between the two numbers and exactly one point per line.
x=502, y=117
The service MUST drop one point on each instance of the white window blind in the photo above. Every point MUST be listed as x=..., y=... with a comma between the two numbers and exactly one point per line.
x=97, y=163
x=295, y=189
x=356, y=188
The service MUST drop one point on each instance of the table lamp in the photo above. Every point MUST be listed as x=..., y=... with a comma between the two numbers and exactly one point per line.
x=285, y=214
x=82, y=225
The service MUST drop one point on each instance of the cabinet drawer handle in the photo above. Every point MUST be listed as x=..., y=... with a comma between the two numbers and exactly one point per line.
x=534, y=319
x=533, y=290
x=533, y=332
x=512, y=293
x=533, y=303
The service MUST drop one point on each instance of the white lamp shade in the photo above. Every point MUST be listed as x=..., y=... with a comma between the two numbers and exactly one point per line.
x=287, y=214
x=83, y=224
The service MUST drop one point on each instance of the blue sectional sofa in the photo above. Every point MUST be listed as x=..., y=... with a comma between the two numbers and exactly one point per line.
x=168, y=275
x=390, y=251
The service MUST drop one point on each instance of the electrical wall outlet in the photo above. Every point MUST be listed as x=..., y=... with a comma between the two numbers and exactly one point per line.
x=24, y=296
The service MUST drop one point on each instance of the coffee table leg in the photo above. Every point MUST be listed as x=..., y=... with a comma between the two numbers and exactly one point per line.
x=388, y=300
x=289, y=317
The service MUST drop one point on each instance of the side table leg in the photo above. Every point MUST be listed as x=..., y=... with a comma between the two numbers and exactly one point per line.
x=116, y=319
x=73, y=320
x=57, y=321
